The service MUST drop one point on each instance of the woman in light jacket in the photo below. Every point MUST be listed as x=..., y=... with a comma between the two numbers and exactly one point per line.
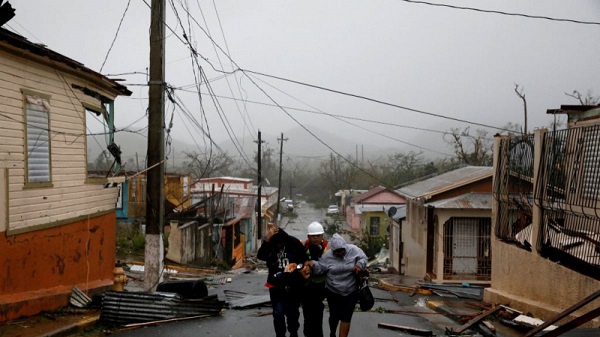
x=342, y=263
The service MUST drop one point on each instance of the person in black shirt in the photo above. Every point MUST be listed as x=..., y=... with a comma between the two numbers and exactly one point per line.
x=284, y=256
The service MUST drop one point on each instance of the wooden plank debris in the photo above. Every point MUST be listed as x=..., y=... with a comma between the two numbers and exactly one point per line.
x=407, y=329
x=476, y=319
x=406, y=289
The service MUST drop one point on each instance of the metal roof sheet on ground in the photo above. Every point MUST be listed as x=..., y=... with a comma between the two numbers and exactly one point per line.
x=466, y=201
x=446, y=181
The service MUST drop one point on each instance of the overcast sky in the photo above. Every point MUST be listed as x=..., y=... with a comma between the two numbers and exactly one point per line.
x=461, y=64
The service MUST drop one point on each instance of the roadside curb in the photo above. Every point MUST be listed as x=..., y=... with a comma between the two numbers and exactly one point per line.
x=74, y=327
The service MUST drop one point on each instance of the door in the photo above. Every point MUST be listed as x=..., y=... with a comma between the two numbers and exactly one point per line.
x=464, y=246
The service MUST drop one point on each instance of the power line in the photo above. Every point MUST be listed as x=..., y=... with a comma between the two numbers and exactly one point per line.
x=502, y=12
x=115, y=38
x=370, y=99
x=360, y=127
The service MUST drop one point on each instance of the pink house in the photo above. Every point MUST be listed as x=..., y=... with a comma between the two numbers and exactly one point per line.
x=368, y=212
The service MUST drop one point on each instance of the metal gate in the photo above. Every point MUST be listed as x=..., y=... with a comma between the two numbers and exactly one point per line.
x=467, y=252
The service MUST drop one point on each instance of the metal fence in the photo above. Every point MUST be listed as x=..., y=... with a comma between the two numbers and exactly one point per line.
x=513, y=190
x=568, y=191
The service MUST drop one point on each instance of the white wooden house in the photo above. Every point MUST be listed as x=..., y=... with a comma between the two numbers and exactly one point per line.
x=57, y=221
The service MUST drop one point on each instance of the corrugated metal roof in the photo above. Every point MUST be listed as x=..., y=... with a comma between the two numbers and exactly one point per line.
x=466, y=201
x=446, y=181
x=369, y=194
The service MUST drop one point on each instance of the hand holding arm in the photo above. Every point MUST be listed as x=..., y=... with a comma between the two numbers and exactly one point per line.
x=272, y=231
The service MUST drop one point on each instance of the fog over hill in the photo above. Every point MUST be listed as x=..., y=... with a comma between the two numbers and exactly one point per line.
x=300, y=146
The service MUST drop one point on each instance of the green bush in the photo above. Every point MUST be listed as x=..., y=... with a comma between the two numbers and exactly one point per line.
x=331, y=226
x=371, y=245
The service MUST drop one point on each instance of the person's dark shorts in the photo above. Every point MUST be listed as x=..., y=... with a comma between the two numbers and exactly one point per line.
x=342, y=307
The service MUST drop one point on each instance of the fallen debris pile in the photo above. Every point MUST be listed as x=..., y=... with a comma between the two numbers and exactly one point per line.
x=464, y=290
x=120, y=308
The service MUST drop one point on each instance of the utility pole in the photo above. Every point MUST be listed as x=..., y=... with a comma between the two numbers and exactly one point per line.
x=154, y=250
x=258, y=195
x=280, y=170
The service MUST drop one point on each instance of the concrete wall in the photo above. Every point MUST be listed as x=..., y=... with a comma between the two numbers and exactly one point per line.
x=353, y=219
x=528, y=282
x=40, y=268
x=414, y=234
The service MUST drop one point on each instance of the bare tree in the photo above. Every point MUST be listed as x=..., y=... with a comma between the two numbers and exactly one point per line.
x=199, y=165
x=470, y=149
x=521, y=94
x=587, y=99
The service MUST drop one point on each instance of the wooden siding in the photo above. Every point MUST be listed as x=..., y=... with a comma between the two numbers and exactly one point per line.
x=69, y=196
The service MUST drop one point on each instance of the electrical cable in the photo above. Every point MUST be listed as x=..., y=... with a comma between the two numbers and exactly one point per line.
x=115, y=38
x=371, y=100
x=501, y=12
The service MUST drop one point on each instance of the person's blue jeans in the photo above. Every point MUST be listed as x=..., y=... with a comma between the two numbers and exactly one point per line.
x=286, y=306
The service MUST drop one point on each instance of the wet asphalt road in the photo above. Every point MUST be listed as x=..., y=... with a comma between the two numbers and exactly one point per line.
x=306, y=215
x=256, y=321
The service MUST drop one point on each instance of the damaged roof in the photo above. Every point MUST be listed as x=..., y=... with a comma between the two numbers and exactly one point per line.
x=446, y=181
x=18, y=45
x=471, y=200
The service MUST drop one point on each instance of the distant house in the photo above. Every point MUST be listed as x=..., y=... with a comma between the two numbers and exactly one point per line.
x=344, y=198
x=57, y=220
x=229, y=205
x=133, y=192
x=547, y=232
x=446, y=233
x=368, y=212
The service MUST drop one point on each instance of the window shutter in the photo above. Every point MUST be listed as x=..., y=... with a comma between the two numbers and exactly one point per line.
x=38, y=141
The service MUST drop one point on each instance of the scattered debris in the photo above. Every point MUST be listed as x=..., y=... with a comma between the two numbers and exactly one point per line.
x=489, y=326
x=380, y=261
x=464, y=290
x=531, y=322
x=476, y=319
x=133, y=326
x=140, y=269
x=121, y=308
x=191, y=289
x=241, y=300
x=218, y=280
x=407, y=329
x=406, y=289
x=79, y=299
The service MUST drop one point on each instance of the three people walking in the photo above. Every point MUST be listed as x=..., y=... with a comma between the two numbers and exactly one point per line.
x=334, y=272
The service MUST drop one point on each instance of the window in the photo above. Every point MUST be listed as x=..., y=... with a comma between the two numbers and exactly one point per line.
x=99, y=160
x=38, y=140
x=374, y=225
